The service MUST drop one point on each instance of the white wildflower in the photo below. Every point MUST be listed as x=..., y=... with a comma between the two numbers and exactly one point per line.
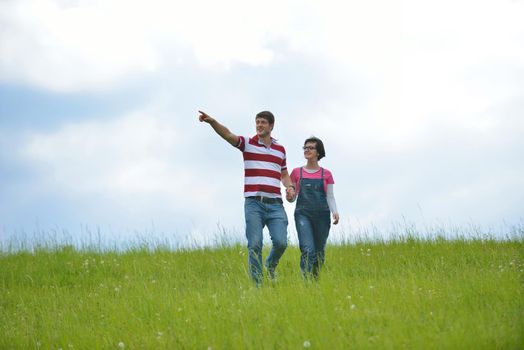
x=307, y=344
x=121, y=345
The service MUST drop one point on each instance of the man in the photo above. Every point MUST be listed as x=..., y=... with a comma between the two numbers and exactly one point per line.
x=264, y=168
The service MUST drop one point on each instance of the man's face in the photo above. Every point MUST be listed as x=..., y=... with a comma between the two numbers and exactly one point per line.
x=263, y=127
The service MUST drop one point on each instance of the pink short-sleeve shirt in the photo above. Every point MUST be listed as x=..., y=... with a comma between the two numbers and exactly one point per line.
x=295, y=177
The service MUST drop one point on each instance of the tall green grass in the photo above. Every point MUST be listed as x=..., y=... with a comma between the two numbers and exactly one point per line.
x=403, y=294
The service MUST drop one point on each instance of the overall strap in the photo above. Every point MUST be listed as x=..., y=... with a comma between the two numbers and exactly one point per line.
x=300, y=173
x=322, y=173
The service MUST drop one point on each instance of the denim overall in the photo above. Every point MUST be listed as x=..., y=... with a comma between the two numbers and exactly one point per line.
x=312, y=222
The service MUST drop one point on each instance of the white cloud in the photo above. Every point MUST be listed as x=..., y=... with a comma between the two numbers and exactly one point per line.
x=135, y=169
x=122, y=155
x=68, y=47
x=64, y=46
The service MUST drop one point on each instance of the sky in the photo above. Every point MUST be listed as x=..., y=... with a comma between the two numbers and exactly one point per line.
x=420, y=105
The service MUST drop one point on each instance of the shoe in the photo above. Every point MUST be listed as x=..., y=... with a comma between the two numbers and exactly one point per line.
x=271, y=273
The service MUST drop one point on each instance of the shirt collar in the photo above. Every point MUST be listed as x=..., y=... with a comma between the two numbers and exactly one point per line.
x=257, y=140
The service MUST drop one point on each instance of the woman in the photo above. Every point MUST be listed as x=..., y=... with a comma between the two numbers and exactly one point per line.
x=313, y=186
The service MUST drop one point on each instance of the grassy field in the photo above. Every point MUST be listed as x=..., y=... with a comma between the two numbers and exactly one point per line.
x=406, y=294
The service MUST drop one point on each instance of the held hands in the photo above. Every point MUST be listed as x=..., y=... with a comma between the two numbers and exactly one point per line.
x=290, y=193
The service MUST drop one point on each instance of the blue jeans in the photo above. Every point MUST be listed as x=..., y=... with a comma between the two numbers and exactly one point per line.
x=313, y=231
x=258, y=215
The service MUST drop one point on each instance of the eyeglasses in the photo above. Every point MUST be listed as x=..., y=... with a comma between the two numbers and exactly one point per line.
x=309, y=148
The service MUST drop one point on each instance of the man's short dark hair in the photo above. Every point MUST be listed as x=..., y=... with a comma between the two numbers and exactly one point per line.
x=319, y=146
x=267, y=115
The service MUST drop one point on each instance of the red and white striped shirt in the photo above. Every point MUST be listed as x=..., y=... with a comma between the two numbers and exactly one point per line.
x=263, y=167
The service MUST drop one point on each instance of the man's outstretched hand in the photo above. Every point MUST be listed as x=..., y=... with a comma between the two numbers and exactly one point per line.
x=203, y=117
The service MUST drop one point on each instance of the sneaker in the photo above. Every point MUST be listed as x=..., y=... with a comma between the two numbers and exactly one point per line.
x=272, y=274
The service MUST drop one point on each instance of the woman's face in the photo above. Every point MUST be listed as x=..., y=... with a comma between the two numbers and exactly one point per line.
x=310, y=151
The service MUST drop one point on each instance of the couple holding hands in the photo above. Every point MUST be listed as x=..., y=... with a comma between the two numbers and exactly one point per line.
x=310, y=185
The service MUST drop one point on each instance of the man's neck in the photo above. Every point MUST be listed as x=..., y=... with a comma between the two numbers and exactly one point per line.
x=266, y=140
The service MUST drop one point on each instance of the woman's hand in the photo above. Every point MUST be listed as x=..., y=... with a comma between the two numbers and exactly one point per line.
x=335, y=218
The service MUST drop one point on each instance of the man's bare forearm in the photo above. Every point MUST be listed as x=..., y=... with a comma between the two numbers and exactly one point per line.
x=286, y=179
x=220, y=129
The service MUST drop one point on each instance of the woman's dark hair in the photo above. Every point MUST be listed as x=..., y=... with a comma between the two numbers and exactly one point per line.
x=267, y=115
x=319, y=145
